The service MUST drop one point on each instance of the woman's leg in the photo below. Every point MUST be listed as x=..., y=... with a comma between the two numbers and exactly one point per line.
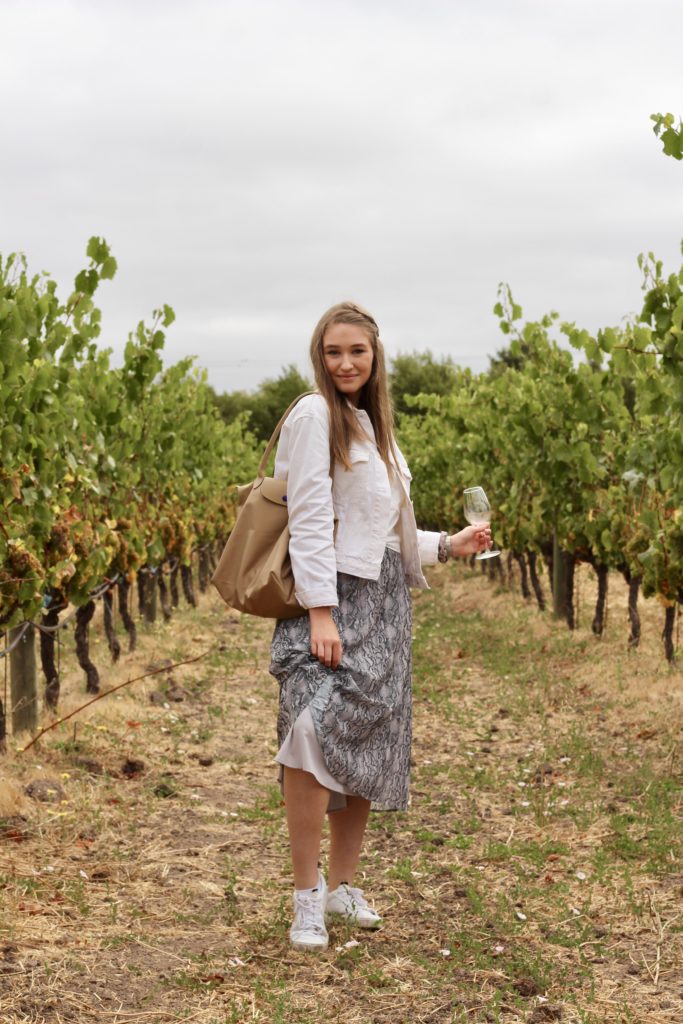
x=347, y=828
x=306, y=803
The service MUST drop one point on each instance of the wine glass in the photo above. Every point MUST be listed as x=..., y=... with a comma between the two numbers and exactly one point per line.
x=478, y=513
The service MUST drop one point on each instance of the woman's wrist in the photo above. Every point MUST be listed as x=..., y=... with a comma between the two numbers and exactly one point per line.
x=453, y=546
x=324, y=612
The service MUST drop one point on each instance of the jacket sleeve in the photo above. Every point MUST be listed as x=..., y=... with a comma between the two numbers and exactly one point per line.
x=311, y=514
x=427, y=540
x=428, y=546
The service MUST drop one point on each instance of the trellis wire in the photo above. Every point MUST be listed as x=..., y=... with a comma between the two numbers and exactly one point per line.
x=15, y=642
x=97, y=593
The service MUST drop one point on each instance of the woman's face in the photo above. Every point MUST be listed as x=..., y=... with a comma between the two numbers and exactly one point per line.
x=348, y=357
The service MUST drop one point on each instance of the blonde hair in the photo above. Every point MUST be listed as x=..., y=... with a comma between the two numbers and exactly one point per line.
x=374, y=398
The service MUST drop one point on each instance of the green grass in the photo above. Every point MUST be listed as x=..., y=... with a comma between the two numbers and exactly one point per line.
x=494, y=893
x=573, y=775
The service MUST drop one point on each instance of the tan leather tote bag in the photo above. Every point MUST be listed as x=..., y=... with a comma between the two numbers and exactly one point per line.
x=254, y=573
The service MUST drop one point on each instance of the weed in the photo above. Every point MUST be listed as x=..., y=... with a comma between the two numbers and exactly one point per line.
x=273, y=926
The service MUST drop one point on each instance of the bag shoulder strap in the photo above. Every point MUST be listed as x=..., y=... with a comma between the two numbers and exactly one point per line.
x=276, y=433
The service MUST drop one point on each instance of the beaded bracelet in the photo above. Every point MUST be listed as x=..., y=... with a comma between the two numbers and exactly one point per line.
x=443, y=547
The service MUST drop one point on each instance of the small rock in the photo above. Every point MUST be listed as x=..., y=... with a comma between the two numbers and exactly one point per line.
x=15, y=828
x=130, y=768
x=600, y=931
x=158, y=666
x=48, y=791
x=526, y=986
x=156, y=697
x=89, y=765
x=205, y=762
x=166, y=787
x=546, y=1012
x=9, y=951
x=100, y=874
x=176, y=694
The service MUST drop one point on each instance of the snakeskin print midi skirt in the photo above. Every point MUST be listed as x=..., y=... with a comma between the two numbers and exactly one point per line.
x=362, y=711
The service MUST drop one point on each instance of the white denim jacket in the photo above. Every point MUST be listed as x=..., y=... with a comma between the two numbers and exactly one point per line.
x=358, y=499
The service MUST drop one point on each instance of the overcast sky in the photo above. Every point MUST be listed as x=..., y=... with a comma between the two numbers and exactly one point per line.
x=251, y=162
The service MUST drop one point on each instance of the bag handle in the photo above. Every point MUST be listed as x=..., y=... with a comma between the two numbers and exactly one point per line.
x=261, y=472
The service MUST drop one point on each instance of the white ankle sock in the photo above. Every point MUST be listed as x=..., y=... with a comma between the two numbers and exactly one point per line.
x=307, y=892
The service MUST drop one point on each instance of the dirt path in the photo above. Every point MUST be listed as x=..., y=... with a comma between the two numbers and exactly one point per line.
x=536, y=877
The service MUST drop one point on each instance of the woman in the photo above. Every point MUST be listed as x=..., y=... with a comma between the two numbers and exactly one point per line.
x=344, y=725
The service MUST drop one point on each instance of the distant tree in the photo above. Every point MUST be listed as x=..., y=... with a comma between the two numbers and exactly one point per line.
x=511, y=357
x=232, y=403
x=265, y=405
x=273, y=397
x=420, y=373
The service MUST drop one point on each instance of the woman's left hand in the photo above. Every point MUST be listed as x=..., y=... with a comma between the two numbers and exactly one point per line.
x=471, y=540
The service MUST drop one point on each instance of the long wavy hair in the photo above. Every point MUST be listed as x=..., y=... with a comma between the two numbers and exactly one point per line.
x=374, y=398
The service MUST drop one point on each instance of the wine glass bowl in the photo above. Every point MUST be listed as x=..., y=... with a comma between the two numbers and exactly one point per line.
x=478, y=513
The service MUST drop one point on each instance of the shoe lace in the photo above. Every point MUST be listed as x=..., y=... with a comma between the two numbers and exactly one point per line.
x=309, y=913
x=357, y=896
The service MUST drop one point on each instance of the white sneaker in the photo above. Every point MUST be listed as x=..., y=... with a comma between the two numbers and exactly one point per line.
x=348, y=904
x=308, y=929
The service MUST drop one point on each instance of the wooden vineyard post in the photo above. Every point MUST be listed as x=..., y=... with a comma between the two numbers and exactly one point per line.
x=147, y=595
x=23, y=679
x=150, y=598
x=562, y=589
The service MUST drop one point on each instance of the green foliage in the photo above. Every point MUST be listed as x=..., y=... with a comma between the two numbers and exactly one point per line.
x=102, y=470
x=591, y=451
x=672, y=137
x=107, y=470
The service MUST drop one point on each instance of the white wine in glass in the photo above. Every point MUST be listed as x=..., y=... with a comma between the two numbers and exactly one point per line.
x=478, y=513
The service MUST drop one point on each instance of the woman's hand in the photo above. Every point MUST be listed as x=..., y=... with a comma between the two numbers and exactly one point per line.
x=471, y=540
x=325, y=641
